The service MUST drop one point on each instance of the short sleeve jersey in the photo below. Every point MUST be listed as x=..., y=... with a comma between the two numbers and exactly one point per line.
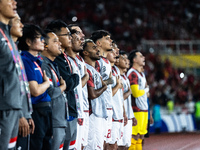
x=139, y=103
x=104, y=68
x=98, y=105
x=81, y=66
x=127, y=102
x=117, y=100
x=34, y=73
x=78, y=88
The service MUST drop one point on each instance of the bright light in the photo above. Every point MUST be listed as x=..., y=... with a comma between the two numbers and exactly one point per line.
x=151, y=50
x=74, y=19
x=182, y=75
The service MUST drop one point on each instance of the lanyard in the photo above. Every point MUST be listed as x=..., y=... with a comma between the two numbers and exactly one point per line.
x=9, y=45
x=38, y=68
x=55, y=75
x=68, y=62
x=22, y=73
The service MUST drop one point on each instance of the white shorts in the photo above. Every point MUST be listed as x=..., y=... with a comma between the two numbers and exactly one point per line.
x=108, y=126
x=79, y=135
x=127, y=134
x=96, y=133
x=86, y=128
x=117, y=131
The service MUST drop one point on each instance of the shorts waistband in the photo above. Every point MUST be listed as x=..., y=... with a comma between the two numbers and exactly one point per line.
x=109, y=108
x=121, y=120
x=42, y=104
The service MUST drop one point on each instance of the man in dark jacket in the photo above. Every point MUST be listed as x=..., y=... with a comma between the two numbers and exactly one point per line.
x=72, y=80
x=56, y=90
x=10, y=78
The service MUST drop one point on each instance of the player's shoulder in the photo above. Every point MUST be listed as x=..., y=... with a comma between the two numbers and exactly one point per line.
x=131, y=72
x=104, y=59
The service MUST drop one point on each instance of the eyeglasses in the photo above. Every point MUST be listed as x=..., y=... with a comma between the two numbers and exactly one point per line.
x=67, y=34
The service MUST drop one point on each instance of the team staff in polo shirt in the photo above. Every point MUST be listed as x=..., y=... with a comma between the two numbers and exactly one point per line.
x=31, y=43
x=10, y=75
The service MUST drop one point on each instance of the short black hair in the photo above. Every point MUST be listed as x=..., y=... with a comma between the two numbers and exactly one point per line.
x=72, y=25
x=31, y=32
x=98, y=35
x=46, y=39
x=85, y=46
x=86, y=42
x=121, y=52
x=132, y=55
x=72, y=30
x=56, y=25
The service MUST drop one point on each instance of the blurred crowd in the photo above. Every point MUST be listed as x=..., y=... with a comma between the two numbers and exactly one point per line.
x=135, y=20
x=166, y=83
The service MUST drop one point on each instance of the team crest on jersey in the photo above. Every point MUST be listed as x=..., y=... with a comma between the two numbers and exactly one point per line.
x=104, y=69
x=79, y=66
x=95, y=77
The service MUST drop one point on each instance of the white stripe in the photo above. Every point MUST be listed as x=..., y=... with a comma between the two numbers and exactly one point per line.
x=11, y=145
x=72, y=146
x=61, y=148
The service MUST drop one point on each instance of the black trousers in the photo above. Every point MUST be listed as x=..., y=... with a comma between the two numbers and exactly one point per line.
x=42, y=137
x=23, y=143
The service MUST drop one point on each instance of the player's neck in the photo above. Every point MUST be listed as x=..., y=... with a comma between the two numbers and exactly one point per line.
x=71, y=53
x=112, y=64
x=136, y=67
x=90, y=62
x=103, y=53
x=121, y=70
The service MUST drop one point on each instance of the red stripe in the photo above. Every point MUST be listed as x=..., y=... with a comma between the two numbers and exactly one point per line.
x=72, y=142
x=13, y=139
x=79, y=57
x=121, y=120
x=55, y=75
x=61, y=146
